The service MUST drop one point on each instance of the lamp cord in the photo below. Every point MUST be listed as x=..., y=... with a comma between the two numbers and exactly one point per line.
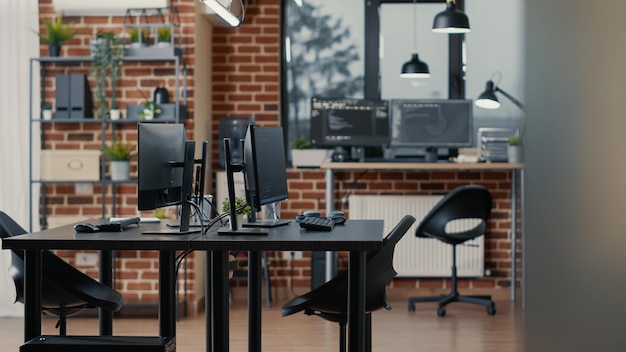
x=415, y=26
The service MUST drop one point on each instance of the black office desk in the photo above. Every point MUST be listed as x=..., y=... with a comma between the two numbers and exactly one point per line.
x=356, y=236
x=65, y=238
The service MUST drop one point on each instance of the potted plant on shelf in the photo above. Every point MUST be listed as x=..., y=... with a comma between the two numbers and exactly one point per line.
x=242, y=207
x=164, y=36
x=119, y=154
x=514, y=149
x=304, y=155
x=46, y=111
x=135, y=39
x=114, y=113
x=57, y=33
x=106, y=66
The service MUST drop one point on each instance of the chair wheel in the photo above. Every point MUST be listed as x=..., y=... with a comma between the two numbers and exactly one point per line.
x=441, y=312
x=411, y=307
x=491, y=310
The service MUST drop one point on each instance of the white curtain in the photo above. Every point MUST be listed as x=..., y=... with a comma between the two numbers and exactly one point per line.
x=18, y=20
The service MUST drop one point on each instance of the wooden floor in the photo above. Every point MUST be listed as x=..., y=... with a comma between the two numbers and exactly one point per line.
x=465, y=328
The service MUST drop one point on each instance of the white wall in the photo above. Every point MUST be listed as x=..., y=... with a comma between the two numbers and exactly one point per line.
x=18, y=19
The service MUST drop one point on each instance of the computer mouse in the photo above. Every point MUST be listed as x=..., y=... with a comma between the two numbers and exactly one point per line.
x=338, y=219
x=85, y=227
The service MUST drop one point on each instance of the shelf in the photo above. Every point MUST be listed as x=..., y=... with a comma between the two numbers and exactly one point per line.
x=79, y=59
x=105, y=181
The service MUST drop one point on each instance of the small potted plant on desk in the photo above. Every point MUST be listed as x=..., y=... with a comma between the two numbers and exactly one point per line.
x=514, y=149
x=57, y=33
x=304, y=155
x=242, y=207
x=120, y=155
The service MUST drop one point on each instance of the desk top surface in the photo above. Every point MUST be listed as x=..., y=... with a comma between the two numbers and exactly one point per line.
x=356, y=235
x=422, y=166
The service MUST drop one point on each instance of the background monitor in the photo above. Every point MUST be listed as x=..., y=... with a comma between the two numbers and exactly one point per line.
x=234, y=128
x=349, y=122
x=431, y=123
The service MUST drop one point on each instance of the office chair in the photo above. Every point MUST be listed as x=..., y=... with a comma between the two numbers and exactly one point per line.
x=65, y=290
x=465, y=202
x=330, y=300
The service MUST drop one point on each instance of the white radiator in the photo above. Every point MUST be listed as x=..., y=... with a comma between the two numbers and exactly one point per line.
x=421, y=257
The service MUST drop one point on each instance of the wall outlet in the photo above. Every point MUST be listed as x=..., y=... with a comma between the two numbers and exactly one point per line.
x=296, y=255
x=86, y=259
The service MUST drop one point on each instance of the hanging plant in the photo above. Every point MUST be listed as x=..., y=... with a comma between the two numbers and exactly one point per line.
x=106, y=65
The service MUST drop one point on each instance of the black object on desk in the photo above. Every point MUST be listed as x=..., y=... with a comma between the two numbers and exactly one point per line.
x=110, y=226
x=317, y=224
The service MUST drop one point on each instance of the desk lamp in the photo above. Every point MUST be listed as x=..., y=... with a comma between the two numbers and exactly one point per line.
x=488, y=99
x=415, y=68
x=224, y=10
x=451, y=20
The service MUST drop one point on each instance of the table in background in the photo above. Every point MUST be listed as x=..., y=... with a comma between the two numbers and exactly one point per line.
x=357, y=236
x=517, y=187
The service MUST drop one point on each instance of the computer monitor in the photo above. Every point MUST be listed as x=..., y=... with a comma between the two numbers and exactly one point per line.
x=234, y=128
x=349, y=122
x=431, y=123
x=265, y=171
x=265, y=175
x=165, y=170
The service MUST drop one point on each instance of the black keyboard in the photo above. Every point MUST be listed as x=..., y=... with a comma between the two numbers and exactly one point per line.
x=315, y=223
x=118, y=225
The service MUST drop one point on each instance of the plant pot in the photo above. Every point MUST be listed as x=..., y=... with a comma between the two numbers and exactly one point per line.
x=46, y=114
x=54, y=50
x=120, y=170
x=309, y=157
x=115, y=114
x=163, y=44
x=514, y=153
x=239, y=222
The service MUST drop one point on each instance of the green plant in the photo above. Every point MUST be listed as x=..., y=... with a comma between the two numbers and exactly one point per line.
x=149, y=111
x=300, y=143
x=134, y=35
x=57, y=32
x=164, y=34
x=46, y=106
x=240, y=204
x=106, y=66
x=119, y=151
x=515, y=140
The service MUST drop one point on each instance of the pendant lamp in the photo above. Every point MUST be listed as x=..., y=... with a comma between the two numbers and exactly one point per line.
x=226, y=9
x=451, y=20
x=415, y=68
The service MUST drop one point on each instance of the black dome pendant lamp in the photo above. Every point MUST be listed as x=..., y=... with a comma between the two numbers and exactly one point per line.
x=415, y=68
x=451, y=20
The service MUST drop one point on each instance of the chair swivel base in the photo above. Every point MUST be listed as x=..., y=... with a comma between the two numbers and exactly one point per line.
x=444, y=300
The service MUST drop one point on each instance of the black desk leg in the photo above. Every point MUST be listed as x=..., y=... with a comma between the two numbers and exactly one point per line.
x=167, y=293
x=32, y=294
x=106, y=278
x=254, y=301
x=208, y=300
x=219, y=306
x=356, y=302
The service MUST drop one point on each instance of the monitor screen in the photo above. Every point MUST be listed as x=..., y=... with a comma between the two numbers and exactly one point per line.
x=265, y=168
x=431, y=123
x=349, y=122
x=159, y=182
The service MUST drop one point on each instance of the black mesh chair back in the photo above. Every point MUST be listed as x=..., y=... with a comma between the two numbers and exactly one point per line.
x=330, y=300
x=66, y=291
